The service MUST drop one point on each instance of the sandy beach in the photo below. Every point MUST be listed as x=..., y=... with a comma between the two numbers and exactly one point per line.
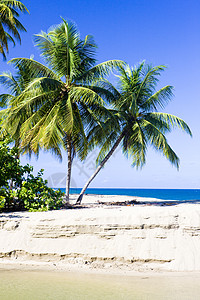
x=148, y=236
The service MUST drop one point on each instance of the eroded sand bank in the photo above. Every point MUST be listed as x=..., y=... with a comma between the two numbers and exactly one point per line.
x=144, y=237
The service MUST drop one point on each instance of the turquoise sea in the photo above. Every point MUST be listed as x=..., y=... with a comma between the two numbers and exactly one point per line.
x=165, y=194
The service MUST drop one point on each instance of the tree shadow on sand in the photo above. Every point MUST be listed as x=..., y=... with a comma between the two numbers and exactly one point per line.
x=11, y=215
x=134, y=202
x=151, y=203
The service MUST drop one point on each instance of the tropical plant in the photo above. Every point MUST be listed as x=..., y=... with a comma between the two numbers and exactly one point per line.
x=28, y=192
x=9, y=23
x=14, y=85
x=136, y=102
x=60, y=104
x=37, y=196
x=9, y=167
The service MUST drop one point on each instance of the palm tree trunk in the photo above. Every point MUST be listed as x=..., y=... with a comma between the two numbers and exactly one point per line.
x=100, y=167
x=69, y=168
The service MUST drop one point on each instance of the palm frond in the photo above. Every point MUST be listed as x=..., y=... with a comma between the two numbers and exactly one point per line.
x=107, y=91
x=34, y=68
x=5, y=99
x=159, y=141
x=107, y=145
x=17, y=5
x=100, y=71
x=158, y=99
x=172, y=121
x=8, y=19
x=135, y=145
x=86, y=95
x=148, y=77
x=10, y=83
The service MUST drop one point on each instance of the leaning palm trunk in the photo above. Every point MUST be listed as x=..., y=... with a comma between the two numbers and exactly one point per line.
x=100, y=167
x=69, y=169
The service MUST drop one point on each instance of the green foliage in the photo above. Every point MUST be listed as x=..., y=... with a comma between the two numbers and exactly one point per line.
x=9, y=165
x=37, y=196
x=9, y=23
x=2, y=202
x=139, y=125
x=58, y=99
x=135, y=102
x=20, y=189
x=60, y=102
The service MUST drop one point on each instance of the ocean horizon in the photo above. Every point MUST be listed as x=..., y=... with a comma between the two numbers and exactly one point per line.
x=164, y=194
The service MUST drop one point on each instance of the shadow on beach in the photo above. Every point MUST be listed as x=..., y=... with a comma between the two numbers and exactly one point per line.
x=133, y=202
x=11, y=215
x=167, y=202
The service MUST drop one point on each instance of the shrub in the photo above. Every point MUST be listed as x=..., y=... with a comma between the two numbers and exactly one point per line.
x=36, y=195
x=20, y=189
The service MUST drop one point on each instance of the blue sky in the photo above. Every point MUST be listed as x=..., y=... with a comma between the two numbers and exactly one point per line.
x=160, y=32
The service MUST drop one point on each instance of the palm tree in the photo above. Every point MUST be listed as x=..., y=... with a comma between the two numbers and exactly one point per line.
x=136, y=102
x=60, y=104
x=9, y=23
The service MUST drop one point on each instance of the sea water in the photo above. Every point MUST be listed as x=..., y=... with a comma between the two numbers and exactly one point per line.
x=40, y=285
x=165, y=194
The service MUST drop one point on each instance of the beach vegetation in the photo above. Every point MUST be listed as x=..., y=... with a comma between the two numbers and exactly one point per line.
x=27, y=192
x=14, y=84
x=135, y=104
x=68, y=104
x=62, y=101
x=10, y=26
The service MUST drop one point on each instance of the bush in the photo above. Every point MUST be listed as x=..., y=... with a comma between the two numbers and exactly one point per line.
x=2, y=202
x=36, y=195
x=10, y=169
x=20, y=189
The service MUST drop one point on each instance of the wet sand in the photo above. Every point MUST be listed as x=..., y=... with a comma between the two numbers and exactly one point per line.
x=32, y=285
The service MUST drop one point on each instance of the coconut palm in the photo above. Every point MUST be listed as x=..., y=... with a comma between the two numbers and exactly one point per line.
x=9, y=23
x=136, y=102
x=60, y=104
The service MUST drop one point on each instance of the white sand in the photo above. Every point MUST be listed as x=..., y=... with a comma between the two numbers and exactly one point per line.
x=126, y=239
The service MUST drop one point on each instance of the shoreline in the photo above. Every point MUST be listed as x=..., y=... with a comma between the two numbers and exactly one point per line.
x=46, y=267
x=132, y=240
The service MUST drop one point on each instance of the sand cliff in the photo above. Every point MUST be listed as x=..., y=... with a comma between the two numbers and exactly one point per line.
x=141, y=237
